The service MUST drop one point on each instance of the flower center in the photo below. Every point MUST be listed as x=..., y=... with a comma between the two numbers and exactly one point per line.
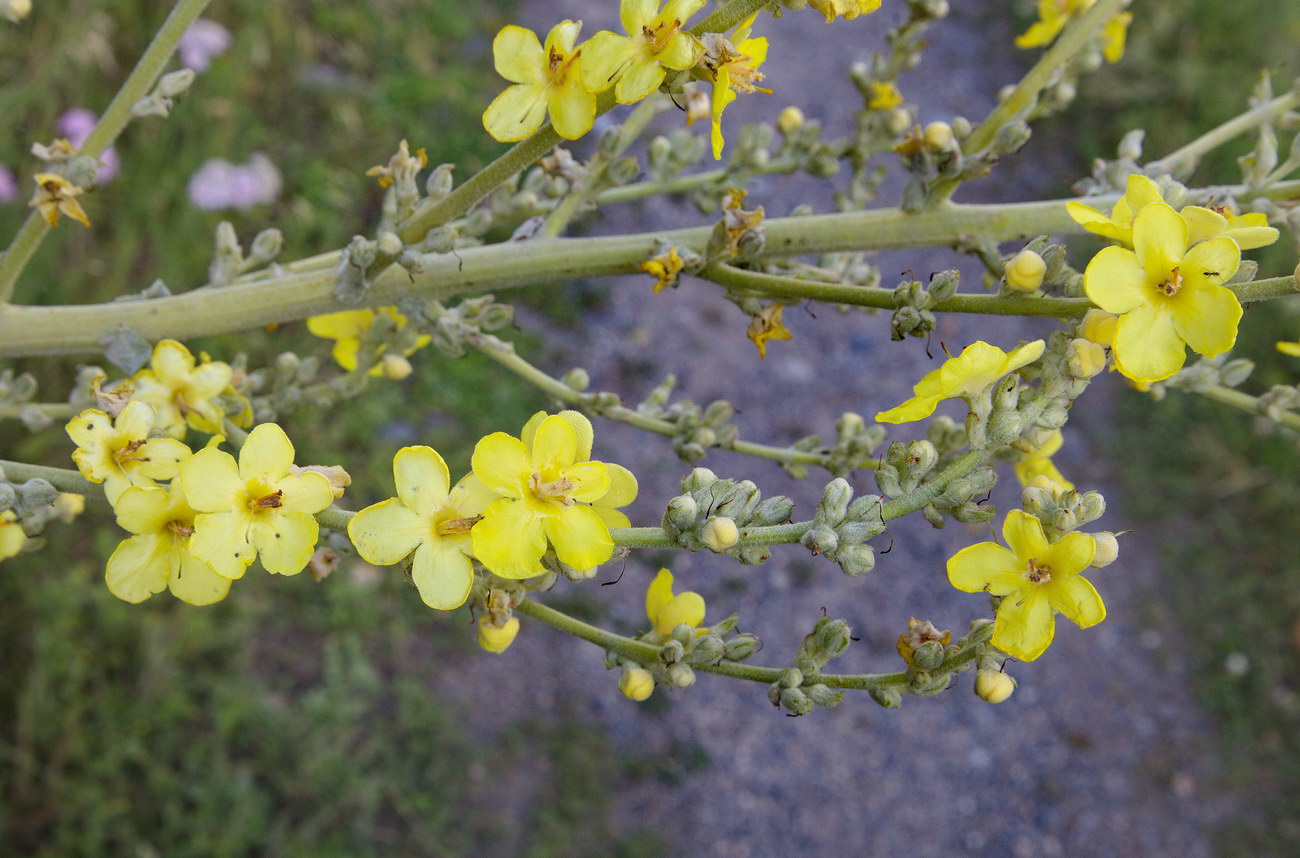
x=1171, y=284
x=274, y=500
x=559, y=65
x=456, y=526
x=556, y=490
x=657, y=36
x=1038, y=573
x=180, y=528
x=126, y=453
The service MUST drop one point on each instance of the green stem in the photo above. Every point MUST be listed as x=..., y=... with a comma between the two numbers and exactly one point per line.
x=1246, y=402
x=729, y=16
x=689, y=182
x=61, y=478
x=56, y=410
x=30, y=330
x=645, y=653
x=1183, y=160
x=110, y=125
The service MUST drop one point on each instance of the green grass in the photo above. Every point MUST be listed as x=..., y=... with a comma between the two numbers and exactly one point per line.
x=1220, y=496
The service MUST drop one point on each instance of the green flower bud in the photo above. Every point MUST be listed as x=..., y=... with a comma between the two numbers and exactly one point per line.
x=681, y=513
x=683, y=634
x=928, y=655
x=887, y=696
x=1064, y=520
x=791, y=677
x=833, y=638
x=943, y=285
x=774, y=510
x=856, y=560
x=37, y=492
x=577, y=379
x=1005, y=426
x=706, y=649
x=267, y=244
x=1092, y=506
x=796, y=702
x=921, y=457
x=699, y=478
x=672, y=652
x=681, y=675
x=389, y=243
x=824, y=696
x=834, y=505
x=742, y=646
x=820, y=540
x=439, y=183
x=994, y=686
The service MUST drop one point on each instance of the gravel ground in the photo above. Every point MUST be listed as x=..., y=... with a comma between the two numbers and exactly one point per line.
x=1101, y=751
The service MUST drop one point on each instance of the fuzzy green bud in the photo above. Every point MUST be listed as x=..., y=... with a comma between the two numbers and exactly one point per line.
x=796, y=702
x=774, y=510
x=824, y=696
x=834, y=505
x=791, y=677
x=928, y=655
x=706, y=649
x=820, y=540
x=887, y=696
x=681, y=513
x=742, y=646
x=697, y=479
x=672, y=652
x=681, y=675
x=856, y=560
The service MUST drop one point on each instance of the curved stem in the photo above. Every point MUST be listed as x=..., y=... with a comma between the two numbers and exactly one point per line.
x=106, y=130
x=56, y=410
x=1246, y=402
x=1184, y=159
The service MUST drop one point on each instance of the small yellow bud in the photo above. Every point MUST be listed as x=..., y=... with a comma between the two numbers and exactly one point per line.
x=719, y=533
x=1042, y=481
x=1107, y=549
x=790, y=120
x=938, y=136
x=1098, y=326
x=636, y=683
x=396, y=367
x=69, y=506
x=1025, y=271
x=994, y=686
x=15, y=10
x=495, y=638
x=1086, y=358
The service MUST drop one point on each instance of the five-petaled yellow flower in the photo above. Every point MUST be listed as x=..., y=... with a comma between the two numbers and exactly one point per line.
x=1039, y=463
x=1139, y=192
x=429, y=520
x=547, y=488
x=1166, y=295
x=978, y=367
x=255, y=507
x=622, y=482
x=667, y=611
x=12, y=537
x=158, y=556
x=544, y=78
x=734, y=64
x=183, y=392
x=1053, y=15
x=119, y=453
x=767, y=325
x=347, y=328
x=55, y=195
x=1035, y=579
x=636, y=64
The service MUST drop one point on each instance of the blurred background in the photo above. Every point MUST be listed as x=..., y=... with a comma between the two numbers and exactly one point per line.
x=345, y=718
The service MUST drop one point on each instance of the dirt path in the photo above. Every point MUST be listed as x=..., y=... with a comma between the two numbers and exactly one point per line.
x=1101, y=751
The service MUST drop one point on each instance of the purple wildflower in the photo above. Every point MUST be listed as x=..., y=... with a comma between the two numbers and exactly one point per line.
x=203, y=42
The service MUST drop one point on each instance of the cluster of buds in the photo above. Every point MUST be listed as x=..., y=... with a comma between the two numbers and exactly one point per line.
x=927, y=652
x=16, y=392
x=855, y=447
x=1040, y=267
x=229, y=260
x=696, y=429
x=797, y=690
x=913, y=302
x=34, y=504
x=170, y=87
x=714, y=513
x=685, y=649
x=842, y=526
x=1064, y=510
x=1223, y=371
x=449, y=328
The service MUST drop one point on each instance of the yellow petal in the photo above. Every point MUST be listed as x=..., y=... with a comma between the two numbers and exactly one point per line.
x=641, y=77
x=172, y=363
x=470, y=497
x=518, y=56
x=685, y=608
x=604, y=56
x=1040, y=34
x=348, y=324
x=562, y=39
x=308, y=492
x=1115, y=281
x=658, y=594
x=1085, y=215
x=1069, y=555
x=267, y=453
x=509, y=540
x=138, y=567
x=529, y=432
x=1147, y=345
x=136, y=419
x=916, y=408
x=1139, y=192
x=1023, y=356
x=221, y=540
x=635, y=14
x=679, y=10
x=1078, y=600
x=1202, y=223
x=1024, y=626
x=581, y=428
x=573, y=109
x=387, y=531
x=622, y=487
x=681, y=52
x=580, y=538
x=211, y=480
x=421, y=478
x=1207, y=319
x=591, y=481
x=555, y=445
x=1159, y=239
x=161, y=458
x=142, y=509
x=501, y=463
x=1024, y=535
x=517, y=112
x=284, y=541
x=193, y=581
x=89, y=428
x=986, y=566
x=443, y=575
x=612, y=517
x=1210, y=263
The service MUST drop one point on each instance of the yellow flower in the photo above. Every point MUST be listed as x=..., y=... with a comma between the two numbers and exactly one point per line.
x=254, y=507
x=158, y=556
x=402, y=166
x=1139, y=192
x=664, y=268
x=846, y=9
x=667, y=611
x=1099, y=327
x=636, y=683
x=979, y=367
x=120, y=453
x=55, y=195
x=1053, y=15
x=544, y=79
x=767, y=325
x=636, y=64
x=547, y=488
x=1166, y=295
x=431, y=519
x=349, y=326
x=182, y=392
x=1035, y=579
x=1250, y=230
x=623, y=486
x=1289, y=348
x=494, y=638
x=884, y=96
x=1039, y=463
x=734, y=64
x=12, y=536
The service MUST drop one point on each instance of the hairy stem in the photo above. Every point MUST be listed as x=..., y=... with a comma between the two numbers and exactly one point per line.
x=1248, y=403
x=1183, y=160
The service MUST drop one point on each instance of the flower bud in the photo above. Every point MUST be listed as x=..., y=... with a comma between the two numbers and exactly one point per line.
x=636, y=683
x=37, y=492
x=796, y=702
x=824, y=696
x=15, y=10
x=389, y=244
x=1086, y=358
x=856, y=560
x=681, y=512
x=1107, y=549
x=706, y=649
x=495, y=638
x=790, y=120
x=994, y=686
x=774, y=510
x=742, y=646
x=897, y=121
x=1098, y=326
x=928, y=655
x=577, y=379
x=820, y=540
x=672, y=652
x=938, y=136
x=1064, y=520
x=681, y=675
x=1025, y=271
x=834, y=504
x=791, y=677
x=719, y=533
x=699, y=478
x=396, y=367
x=887, y=696
x=1092, y=506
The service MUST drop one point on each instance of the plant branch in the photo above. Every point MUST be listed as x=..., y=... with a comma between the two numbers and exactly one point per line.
x=1246, y=402
x=1183, y=160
